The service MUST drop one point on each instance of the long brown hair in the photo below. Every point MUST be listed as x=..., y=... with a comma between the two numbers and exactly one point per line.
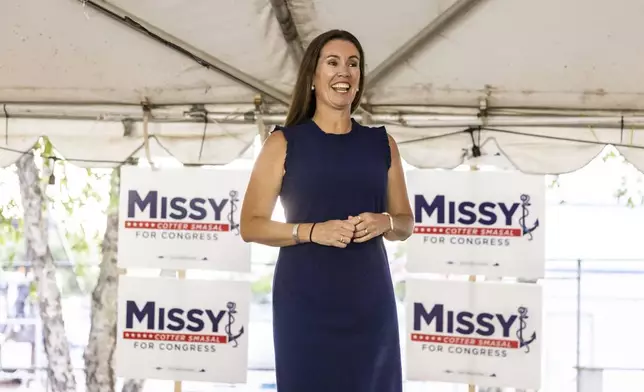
x=303, y=101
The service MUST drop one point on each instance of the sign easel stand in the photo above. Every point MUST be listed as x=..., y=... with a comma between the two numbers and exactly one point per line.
x=180, y=274
x=178, y=386
x=472, y=387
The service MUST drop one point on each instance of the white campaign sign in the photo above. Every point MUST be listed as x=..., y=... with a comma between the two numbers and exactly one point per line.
x=486, y=333
x=182, y=330
x=185, y=218
x=477, y=223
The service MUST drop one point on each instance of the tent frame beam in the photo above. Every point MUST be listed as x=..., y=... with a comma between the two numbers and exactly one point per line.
x=124, y=110
x=293, y=39
x=225, y=114
x=186, y=49
x=289, y=30
x=431, y=31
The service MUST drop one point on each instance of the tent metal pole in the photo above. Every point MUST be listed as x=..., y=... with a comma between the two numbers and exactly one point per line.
x=185, y=48
x=239, y=108
x=246, y=114
x=289, y=29
x=249, y=116
x=408, y=48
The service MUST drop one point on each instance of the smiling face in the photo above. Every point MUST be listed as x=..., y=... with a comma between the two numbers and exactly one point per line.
x=333, y=57
x=337, y=75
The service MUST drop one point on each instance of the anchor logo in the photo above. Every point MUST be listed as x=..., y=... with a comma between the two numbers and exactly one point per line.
x=523, y=316
x=234, y=199
x=525, y=211
x=232, y=338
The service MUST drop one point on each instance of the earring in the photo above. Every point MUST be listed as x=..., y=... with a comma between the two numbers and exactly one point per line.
x=312, y=87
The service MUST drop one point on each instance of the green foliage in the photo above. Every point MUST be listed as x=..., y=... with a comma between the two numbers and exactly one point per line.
x=263, y=285
x=400, y=290
x=553, y=182
x=401, y=250
x=631, y=188
x=77, y=199
x=11, y=219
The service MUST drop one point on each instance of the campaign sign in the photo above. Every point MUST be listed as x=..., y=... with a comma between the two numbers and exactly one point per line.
x=477, y=223
x=182, y=330
x=185, y=218
x=486, y=333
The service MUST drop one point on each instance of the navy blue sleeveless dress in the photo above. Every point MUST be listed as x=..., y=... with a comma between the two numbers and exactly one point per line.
x=334, y=312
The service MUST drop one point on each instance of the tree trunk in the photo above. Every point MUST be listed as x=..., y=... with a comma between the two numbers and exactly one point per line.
x=133, y=385
x=99, y=370
x=59, y=369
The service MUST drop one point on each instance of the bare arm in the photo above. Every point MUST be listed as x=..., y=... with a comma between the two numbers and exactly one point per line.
x=261, y=195
x=398, y=200
x=370, y=225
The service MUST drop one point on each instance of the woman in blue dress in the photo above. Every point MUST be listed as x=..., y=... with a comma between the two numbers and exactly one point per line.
x=343, y=190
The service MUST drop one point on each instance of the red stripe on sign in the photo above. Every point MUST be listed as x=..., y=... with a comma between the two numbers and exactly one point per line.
x=461, y=341
x=156, y=225
x=174, y=337
x=467, y=231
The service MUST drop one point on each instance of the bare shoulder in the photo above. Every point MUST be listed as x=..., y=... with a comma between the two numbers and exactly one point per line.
x=273, y=150
x=393, y=147
x=392, y=141
x=275, y=140
x=398, y=196
x=266, y=178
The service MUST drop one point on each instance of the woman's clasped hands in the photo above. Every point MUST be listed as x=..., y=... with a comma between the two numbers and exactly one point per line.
x=361, y=228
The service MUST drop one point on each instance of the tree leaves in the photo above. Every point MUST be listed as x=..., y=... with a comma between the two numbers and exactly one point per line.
x=631, y=189
x=77, y=199
x=11, y=224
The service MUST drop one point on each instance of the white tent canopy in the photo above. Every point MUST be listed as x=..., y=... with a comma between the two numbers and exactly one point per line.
x=84, y=73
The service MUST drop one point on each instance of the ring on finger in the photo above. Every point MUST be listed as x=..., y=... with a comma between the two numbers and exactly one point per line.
x=342, y=239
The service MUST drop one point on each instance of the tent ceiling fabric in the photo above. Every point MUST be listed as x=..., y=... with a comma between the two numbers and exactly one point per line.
x=110, y=143
x=523, y=148
x=517, y=55
x=525, y=53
